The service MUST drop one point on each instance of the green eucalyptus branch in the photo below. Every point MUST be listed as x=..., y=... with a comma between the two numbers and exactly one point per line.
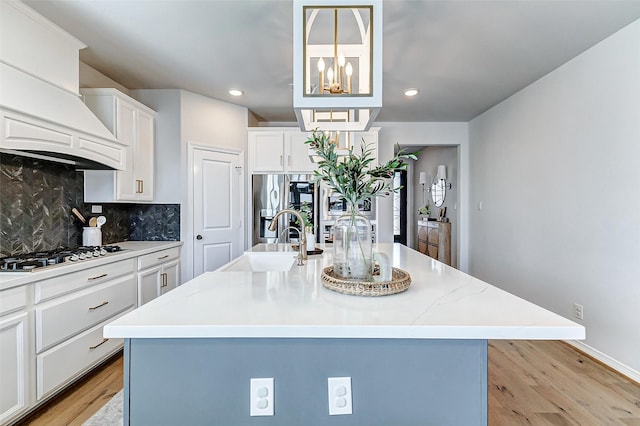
x=354, y=176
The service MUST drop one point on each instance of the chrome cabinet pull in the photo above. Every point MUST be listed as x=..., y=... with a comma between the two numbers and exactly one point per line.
x=289, y=160
x=96, y=278
x=164, y=280
x=282, y=160
x=163, y=257
x=105, y=340
x=142, y=186
x=99, y=306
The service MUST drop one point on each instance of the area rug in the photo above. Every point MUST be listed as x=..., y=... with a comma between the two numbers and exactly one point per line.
x=109, y=415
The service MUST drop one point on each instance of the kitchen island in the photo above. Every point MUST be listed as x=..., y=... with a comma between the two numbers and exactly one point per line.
x=418, y=357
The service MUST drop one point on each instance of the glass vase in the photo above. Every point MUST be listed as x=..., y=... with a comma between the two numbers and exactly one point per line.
x=352, y=246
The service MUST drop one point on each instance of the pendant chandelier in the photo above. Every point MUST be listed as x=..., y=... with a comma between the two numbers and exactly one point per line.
x=337, y=64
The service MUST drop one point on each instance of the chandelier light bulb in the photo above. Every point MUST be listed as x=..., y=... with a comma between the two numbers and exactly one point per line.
x=348, y=69
x=321, y=65
x=330, y=75
x=341, y=60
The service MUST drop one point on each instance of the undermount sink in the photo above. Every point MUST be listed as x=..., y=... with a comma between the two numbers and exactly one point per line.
x=262, y=262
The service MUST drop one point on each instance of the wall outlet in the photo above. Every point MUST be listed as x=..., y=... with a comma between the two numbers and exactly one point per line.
x=261, y=397
x=340, y=396
x=578, y=311
x=96, y=209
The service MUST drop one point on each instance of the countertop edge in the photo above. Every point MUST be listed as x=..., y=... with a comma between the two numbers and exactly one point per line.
x=346, y=332
x=130, y=250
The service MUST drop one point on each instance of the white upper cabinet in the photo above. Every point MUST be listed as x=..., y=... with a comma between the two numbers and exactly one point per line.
x=298, y=160
x=279, y=151
x=266, y=152
x=132, y=124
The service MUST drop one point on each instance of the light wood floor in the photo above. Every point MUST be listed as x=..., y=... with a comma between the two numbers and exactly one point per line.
x=551, y=383
x=81, y=401
x=530, y=383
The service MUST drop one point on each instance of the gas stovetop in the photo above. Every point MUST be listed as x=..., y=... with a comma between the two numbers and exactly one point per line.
x=38, y=260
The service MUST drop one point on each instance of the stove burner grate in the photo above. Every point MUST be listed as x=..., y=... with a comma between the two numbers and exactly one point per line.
x=36, y=260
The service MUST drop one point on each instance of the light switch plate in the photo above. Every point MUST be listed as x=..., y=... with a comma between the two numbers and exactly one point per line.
x=340, y=401
x=96, y=209
x=261, y=397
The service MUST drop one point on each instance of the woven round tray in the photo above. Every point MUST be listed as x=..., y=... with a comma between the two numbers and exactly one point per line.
x=400, y=281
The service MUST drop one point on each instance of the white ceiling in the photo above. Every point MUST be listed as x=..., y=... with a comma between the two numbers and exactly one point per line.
x=464, y=56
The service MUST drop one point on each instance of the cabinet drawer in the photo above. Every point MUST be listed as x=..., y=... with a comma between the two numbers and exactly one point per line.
x=92, y=276
x=157, y=258
x=13, y=299
x=64, y=317
x=59, y=365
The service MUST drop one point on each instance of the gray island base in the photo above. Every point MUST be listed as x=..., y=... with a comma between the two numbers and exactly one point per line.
x=414, y=358
x=394, y=381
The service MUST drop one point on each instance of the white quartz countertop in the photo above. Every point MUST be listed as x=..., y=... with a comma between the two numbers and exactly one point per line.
x=441, y=303
x=130, y=249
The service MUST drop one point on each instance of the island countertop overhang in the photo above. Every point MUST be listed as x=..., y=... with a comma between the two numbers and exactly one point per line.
x=441, y=303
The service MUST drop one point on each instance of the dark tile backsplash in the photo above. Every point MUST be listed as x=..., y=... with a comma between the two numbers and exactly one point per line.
x=36, y=198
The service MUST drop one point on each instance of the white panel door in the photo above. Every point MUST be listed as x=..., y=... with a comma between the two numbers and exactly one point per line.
x=217, y=215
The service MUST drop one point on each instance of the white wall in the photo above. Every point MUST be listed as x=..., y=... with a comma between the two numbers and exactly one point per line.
x=557, y=169
x=420, y=134
x=212, y=122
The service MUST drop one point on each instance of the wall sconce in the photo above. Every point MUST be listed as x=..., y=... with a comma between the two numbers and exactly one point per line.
x=423, y=181
x=442, y=175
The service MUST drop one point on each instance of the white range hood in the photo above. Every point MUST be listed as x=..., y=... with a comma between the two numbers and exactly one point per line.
x=41, y=109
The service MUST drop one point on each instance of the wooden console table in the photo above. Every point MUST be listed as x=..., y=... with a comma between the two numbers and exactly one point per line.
x=434, y=240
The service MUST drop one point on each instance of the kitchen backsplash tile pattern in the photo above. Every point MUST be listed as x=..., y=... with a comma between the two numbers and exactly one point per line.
x=158, y=222
x=36, y=198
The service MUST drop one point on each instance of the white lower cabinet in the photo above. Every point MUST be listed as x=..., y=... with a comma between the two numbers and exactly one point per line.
x=68, y=328
x=14, y=364
x=68, y=360
x=51, y=329
x=157, y=273
x=62, y=318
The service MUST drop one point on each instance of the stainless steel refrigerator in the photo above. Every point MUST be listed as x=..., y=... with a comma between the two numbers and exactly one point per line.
x=275, y=192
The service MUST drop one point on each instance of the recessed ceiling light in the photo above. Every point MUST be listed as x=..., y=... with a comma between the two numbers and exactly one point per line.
x=411, y=92
x=236, y=92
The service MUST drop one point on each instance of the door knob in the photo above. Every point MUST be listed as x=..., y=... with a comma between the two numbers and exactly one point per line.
x=198, y=237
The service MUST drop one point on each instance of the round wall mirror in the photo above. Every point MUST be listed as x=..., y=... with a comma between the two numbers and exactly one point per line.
x=438, y=192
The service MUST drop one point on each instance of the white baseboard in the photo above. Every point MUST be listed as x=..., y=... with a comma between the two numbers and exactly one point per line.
x=607, y=360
